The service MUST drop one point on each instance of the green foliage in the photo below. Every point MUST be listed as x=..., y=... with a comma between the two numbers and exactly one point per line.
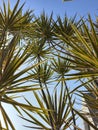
x=57, y=115
x=44, y=60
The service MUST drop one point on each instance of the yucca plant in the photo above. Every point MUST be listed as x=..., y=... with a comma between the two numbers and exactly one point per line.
x=63, y=28
x=14, y=21
x=82, y=50
x=82, y=54
x=60, y=45
x=89, y=104
x=59, y=105
x=61, y=68
x=13, y=60
x=13, y=74
x=60, y=114
x=40, y=49
x=63, y=25
x=44, y=27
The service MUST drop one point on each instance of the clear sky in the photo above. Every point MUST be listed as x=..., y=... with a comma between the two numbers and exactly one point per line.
x=81, y=7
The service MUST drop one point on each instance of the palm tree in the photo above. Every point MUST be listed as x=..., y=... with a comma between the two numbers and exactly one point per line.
x=58, y=115
x=59, y=105
x=42, y=48
x=82, y=51
x=13, y=59
x=44, y=41
x=43, y=60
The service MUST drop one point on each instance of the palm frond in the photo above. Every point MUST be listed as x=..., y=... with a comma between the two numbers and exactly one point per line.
x=58, y=114
x=82, y=50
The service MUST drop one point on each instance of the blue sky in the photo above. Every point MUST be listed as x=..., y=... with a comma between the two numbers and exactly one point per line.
x=81, y=7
